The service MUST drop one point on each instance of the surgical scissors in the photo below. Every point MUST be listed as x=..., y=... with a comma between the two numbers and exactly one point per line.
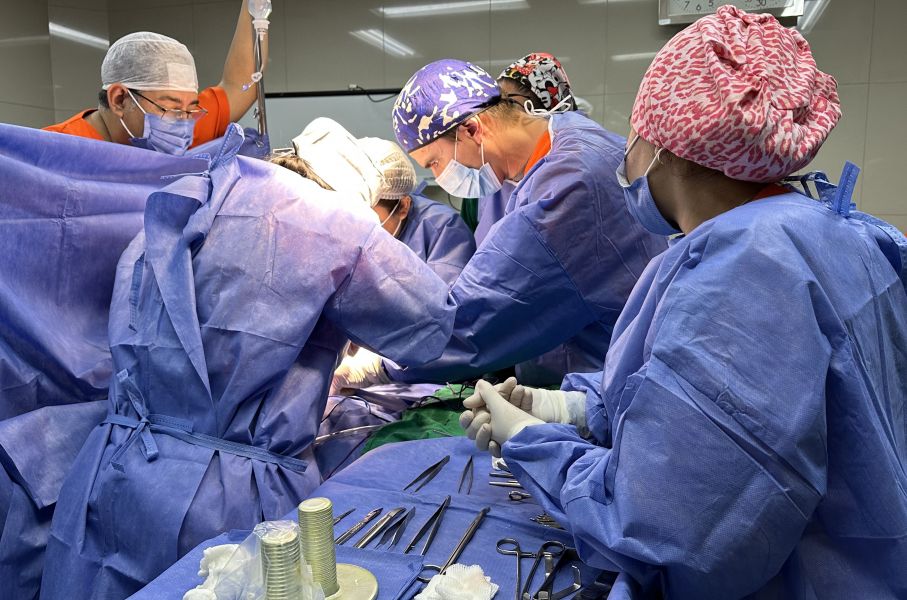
x=464, y=541
x=511, y=547
x=427, y=475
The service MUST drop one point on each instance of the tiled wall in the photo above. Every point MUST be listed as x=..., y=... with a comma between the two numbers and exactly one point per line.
x=605, y=46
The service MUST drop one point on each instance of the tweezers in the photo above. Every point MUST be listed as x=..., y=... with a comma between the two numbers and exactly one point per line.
x=466, y=477
x=395, y=530
x=427, y=475
x=433, y=523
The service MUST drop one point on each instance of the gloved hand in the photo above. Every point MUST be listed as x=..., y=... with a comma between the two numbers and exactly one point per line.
x=490, y=419
x=478, y=410
x=359, y=371
x=552, y=406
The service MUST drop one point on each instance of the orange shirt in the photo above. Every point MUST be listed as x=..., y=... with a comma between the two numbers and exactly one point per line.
x=542, y=148
x=211, y=126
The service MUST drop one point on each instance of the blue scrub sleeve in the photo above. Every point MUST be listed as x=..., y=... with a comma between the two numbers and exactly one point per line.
x=393, y=303
x=514, y=301
x=718, y=457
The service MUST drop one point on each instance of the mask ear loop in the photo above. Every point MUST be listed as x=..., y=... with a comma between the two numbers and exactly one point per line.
x=456, y=140
x=136, y=102
x=654, y=160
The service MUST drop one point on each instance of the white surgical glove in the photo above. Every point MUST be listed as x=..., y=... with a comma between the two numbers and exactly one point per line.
x=491, y=420
x=477, y=415
x=362, y=370
x=552, y=406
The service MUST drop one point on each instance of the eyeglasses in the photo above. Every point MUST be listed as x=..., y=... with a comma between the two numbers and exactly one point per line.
x=174, y=114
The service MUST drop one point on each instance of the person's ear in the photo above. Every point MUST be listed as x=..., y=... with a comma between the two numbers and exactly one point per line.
x=117, y=98
x=406, y=203
x=473, y=129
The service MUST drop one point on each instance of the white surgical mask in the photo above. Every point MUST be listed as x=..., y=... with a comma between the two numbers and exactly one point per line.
x=464, y=182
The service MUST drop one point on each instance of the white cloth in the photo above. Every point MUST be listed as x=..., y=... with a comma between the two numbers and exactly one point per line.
x=459, y=582
x=149, y=61
x=214, y=561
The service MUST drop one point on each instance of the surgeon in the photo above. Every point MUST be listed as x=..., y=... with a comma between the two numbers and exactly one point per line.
x=149, y=93
x=545, y=287
x=539, y=82
x=747, y=436
x=434, y=231
x=228, y=315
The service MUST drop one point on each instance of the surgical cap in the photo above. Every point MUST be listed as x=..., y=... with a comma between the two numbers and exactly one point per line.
x=337, y=157
x=149, y=61
x=398, y=177
x=738, y=93
x=440, y=96
x=544, y=75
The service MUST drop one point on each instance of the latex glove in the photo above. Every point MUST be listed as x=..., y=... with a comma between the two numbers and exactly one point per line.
x=494, y=418
x=477, y=415
x=459, y=582
x=552, y=406
x=362, y=370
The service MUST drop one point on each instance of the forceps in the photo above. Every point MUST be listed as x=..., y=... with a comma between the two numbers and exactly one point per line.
x=511, y=547
x=433, y=523
x=549, y=551
x=427, y=475
x=466, y=477
x=464, y=541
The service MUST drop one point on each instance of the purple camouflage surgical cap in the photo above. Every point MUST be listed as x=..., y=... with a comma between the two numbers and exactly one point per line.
x=439, y=97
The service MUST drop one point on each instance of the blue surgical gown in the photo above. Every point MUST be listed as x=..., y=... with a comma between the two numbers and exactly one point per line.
x=749, y=428
x=438, y=235
x=228, y=314
x=491, y=209
x=556, y=269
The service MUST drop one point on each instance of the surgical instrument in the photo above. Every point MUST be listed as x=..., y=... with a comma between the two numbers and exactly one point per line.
x=544, y=591
x=519, y=496
x=511, y=547
x=546, y=520
x=377, y=527
x=464, y=541
x=343, y=516
x=511, y=484
x=394, y=531
x=548, y=550
x=504, y=475
x=346, y=535
x=466, y=477
x=433, y=522
x=427, y=475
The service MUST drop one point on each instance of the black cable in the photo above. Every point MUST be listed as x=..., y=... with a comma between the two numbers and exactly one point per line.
x=369, y=95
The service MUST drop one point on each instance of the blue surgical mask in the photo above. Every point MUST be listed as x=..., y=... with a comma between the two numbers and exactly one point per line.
x=464, y=182
x=164, y=136
x=639, y=199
